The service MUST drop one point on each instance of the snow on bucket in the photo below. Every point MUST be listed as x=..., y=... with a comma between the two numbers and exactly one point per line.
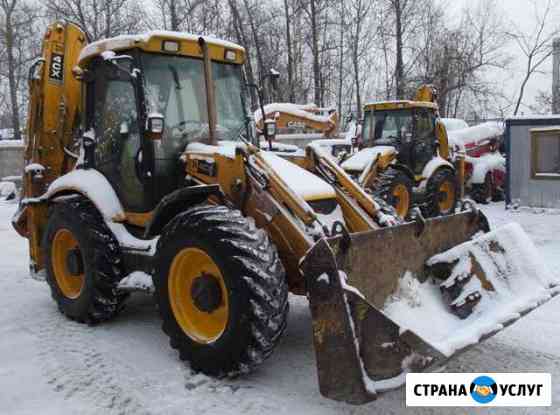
x=501, y=273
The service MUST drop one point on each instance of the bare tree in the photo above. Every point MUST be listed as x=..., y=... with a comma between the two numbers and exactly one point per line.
x=18, y=17
x=537, y=45
x=457, y=59
x=175, y=13
x=358, y=12
x=99, y=18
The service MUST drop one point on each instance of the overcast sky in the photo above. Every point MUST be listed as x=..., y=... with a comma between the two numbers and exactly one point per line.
x=521, y=14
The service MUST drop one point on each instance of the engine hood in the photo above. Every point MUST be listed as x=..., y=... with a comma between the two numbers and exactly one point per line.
x=305, y=184
x=361, y=159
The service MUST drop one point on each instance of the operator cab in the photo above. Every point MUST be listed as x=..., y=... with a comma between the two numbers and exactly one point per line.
x=409, y=127
x=147, y=98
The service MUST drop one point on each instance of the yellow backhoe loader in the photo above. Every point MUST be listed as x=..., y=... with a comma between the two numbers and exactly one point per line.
x=404, y=156
x=141, y=158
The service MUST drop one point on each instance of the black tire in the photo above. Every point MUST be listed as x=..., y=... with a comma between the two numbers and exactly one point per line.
x=255, y=281
x=99, y=300
x=434, y=195
x=498, y=194
x=385, y=185
x=483, y=192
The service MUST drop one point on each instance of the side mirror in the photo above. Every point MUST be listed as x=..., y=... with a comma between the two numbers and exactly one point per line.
x=270, y=129
x=89, y=143
x=124, y=128
x=408, y=137
x=155, y=125
x=274, y=77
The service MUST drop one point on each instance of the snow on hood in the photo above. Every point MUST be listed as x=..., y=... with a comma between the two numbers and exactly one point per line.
x=305, y=184
x=475, y=135
x=224, y=148
x=360, y=160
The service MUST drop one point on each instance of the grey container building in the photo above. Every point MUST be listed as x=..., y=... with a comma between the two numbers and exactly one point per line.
x=533, y=161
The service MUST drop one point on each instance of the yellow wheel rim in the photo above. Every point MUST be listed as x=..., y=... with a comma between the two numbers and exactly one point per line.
x=447, y=192
x=69, y=284
x=402, y=199
x=201, y=326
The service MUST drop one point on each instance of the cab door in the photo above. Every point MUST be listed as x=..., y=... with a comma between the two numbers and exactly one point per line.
x=118, y=150
x=423, y=148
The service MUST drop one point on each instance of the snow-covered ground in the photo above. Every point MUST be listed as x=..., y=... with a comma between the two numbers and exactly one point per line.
x=49, y=365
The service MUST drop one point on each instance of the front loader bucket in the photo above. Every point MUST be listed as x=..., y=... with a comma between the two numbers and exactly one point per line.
x=408, y=298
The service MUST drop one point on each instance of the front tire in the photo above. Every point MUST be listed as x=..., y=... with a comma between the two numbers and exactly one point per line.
x=442, y=192
x=221, y=290
x=395, y=188
x=83, y=263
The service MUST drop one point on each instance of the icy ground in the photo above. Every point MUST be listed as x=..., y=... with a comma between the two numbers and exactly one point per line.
x=49, y=365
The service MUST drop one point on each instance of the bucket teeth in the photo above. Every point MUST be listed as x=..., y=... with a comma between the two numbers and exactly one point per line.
x=450, y=292
x=465, y=306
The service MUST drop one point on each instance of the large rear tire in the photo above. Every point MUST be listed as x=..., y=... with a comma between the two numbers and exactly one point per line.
x=221, y=290
x=83, y=262
x=442, y=193
x=395, y=188
x=483, y=192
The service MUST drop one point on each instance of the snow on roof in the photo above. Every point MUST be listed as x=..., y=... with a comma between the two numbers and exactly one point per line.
x=533, y=117
x=545, y=129
x=476, y=134
x=127, y=41
x=305, y=184
x=454, y=123
x=297, y=110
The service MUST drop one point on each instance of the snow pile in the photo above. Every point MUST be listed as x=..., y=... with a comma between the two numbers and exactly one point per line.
x=296, y=110
x=362, y=158
x=516, y=281
x=8, y=190
x=137, y=281
x=454, y=124
x=485, y=163
x=475, y=135
x=12, y=143
x=305, y=184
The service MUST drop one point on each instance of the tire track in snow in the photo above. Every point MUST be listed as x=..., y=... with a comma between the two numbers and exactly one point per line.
x=76, y=369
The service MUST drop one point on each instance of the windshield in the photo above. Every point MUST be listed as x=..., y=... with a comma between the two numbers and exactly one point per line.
x=175, y=87
x=388, y=127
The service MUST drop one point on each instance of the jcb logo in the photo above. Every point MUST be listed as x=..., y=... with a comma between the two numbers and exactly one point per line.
x=56, y=71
